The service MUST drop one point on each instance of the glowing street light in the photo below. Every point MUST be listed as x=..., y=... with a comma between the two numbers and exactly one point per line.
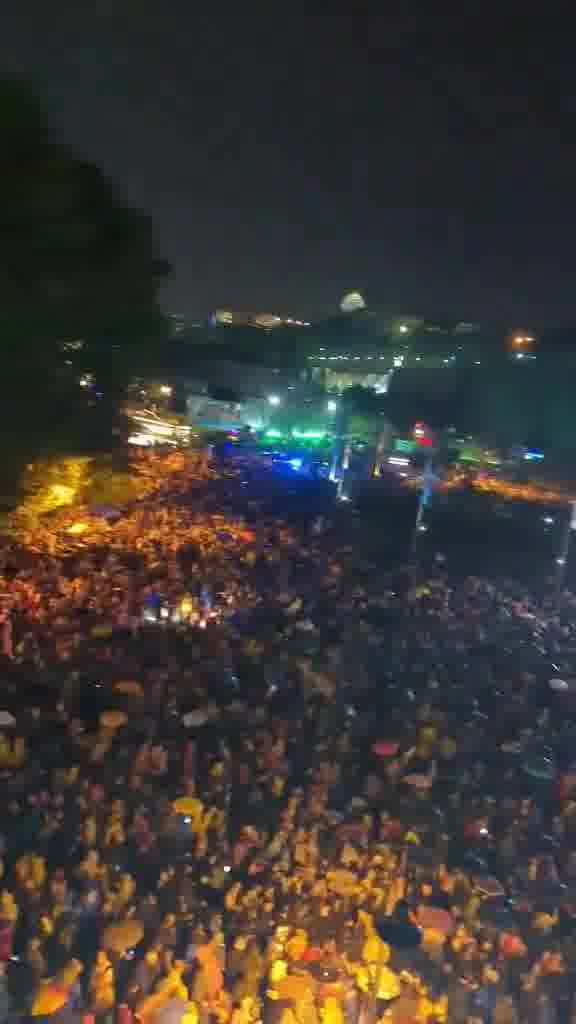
x=521, y=340
x=274, y=400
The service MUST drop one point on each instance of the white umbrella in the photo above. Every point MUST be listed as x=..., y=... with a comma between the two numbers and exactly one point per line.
x=558, y=684
x=6, y=719
x=195, y=718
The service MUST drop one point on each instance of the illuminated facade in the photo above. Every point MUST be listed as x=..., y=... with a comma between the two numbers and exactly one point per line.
x=215, y=414
x=263, y=321
x=149, y=429
x=339, y=380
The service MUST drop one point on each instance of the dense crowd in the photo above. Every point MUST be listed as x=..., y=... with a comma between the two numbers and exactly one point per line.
x=250, y=775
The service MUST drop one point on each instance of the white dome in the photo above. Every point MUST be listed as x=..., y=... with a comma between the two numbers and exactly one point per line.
x=352, y=302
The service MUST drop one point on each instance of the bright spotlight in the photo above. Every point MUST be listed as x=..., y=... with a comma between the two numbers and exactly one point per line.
x=332, y=406
x=274, y=399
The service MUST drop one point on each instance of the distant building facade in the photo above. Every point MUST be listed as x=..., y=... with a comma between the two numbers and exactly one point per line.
x=263, y=321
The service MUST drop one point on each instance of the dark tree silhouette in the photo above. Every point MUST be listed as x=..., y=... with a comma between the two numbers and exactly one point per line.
x=77, y=261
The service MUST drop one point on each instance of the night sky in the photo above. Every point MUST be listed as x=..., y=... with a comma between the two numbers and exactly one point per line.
x=287, y=159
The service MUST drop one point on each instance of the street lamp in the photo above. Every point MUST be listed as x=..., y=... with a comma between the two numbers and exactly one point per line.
x=564, y=552
x=523, y=341
x=274, y=400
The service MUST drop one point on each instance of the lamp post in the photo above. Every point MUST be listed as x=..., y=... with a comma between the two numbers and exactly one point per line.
x=340, y=492
x=564, y=552
x=382, y=444
x=424, y=500
x=340, y=424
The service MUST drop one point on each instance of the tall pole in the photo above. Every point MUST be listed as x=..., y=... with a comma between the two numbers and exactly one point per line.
x=340, y=425
x=340, y=493
x=564, y=552
x=423, y=502
x=382, y=445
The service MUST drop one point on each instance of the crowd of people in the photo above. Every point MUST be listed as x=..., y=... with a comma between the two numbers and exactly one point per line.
x=251, y=775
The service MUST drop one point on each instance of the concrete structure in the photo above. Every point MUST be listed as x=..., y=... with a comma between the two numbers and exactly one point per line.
x=218, y=415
